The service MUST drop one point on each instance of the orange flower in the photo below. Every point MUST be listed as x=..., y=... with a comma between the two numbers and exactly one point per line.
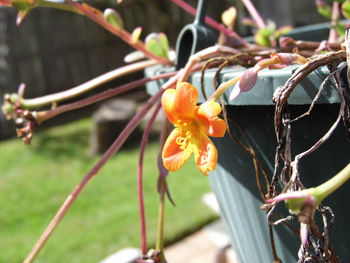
x=193, y=124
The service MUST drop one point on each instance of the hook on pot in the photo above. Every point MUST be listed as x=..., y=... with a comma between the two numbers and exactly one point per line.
x=193, y=37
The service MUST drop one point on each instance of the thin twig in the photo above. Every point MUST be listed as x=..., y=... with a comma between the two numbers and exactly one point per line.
x=250, y=150
x=56, y=5
x=324, y=138
x=335, y=16
x=45, y=115
x=281, y=95
x=204, y=68
x=254, y=13
x=122, y=34
x=144, y=141
x=87, y=86
x=94, y=171
x=315, y=99
x=206, y=54
x=273, y=246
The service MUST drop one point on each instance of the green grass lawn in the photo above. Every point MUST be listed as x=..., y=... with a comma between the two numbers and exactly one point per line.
x=35, y=180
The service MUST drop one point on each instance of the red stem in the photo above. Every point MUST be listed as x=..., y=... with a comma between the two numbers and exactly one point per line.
x=122, y=34
x=87, y=86
x=45, y=115
x=94, y=171
x=144, y=141
x=190, y=9
x=335, y=15
x=254, y=13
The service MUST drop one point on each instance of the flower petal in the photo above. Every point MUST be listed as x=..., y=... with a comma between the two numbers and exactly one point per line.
x=174, y=156
x=214, y=127
x=210, y=124
x=209, y=108
x=185, y=100
x=168, y=98
x=235, y=92
x=248, y=80
x=180, y=104
x=205, y=153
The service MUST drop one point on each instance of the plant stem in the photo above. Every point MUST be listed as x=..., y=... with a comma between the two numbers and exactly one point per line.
x=334, y=183
x=190, y=9
x=94, y=171
x=46, y=115
x=56, y=5
x=335, y=15
x=144, y=141
x=122, y=34
x=222, y=88
x=87, y=86
x=254, y=13
x=205, y=54
x=160, y=229
x=42, y=116
x=162, y=190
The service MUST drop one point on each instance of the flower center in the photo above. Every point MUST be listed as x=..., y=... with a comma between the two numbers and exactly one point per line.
x=183, y=141
x=186, y=128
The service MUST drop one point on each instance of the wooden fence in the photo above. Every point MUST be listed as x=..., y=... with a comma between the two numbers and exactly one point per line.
x=55, y=50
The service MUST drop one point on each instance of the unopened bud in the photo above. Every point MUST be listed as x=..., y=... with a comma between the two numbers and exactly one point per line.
x=113, y=18
x=246, y=82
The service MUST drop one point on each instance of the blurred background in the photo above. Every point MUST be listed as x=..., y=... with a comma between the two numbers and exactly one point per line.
x=54, y=51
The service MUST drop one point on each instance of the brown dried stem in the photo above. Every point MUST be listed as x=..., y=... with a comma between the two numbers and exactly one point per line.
x=282, y=94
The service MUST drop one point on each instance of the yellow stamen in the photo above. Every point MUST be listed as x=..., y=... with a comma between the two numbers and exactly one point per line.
x=182, y=142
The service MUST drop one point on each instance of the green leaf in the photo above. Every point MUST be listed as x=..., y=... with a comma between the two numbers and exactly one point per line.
x=262, y=38
x=340, y=1
x=134, y=56
x=282, y=31
x=135, y=35
x=264, y=32
x=346, y=9
x=113, y=18
x=154, y=47
x=157, y=44
x=229, y=16
x=270, y=26
x=325, y=10
x=340, y=28
x=163, y=40
x=21, y=5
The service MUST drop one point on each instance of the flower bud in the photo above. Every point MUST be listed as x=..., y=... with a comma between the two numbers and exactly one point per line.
x=135, y=35
x=286, y=41
x=290, y=58
x=246, y=82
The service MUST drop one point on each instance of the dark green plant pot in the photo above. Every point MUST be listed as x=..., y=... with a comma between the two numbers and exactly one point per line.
x=234, y=182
